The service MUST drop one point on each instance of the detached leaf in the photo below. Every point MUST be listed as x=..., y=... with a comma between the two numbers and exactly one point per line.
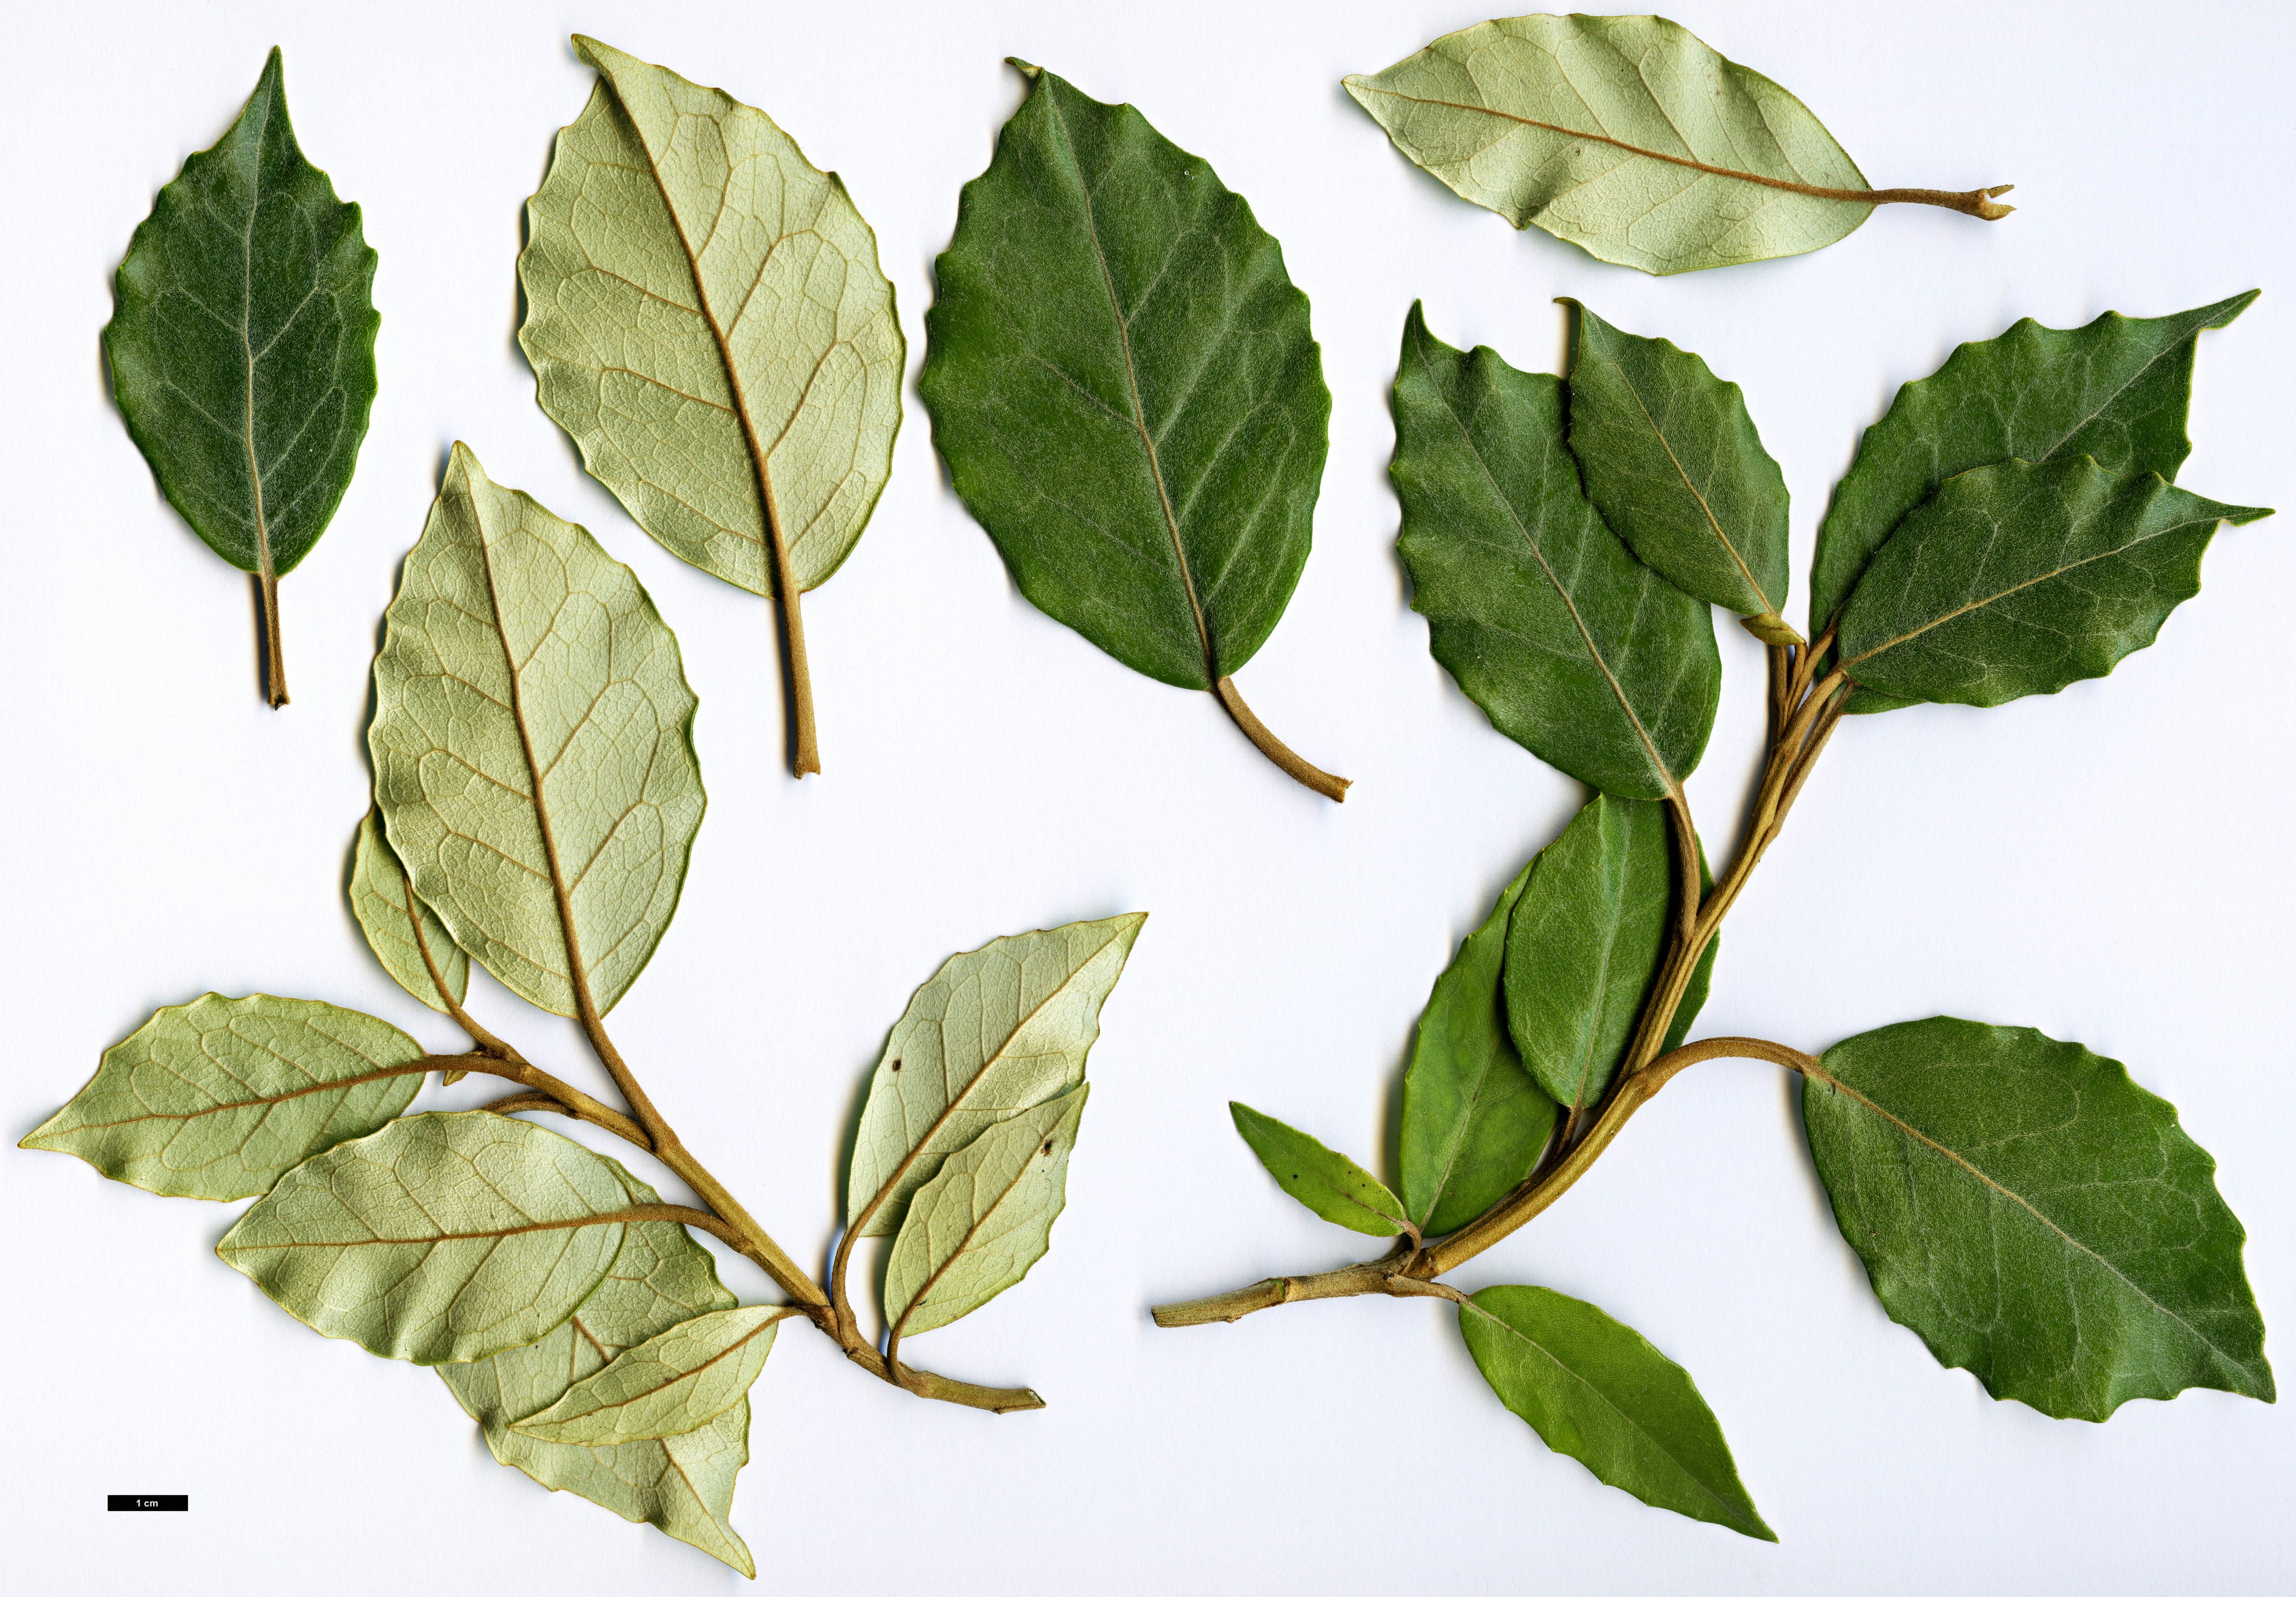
x=2034, y=1215
x=2016, y=579
x=1575, y=649
x=1329, y=1182
x=975, y=1228
x=1123, y=383
x=1631, y=139
x=221, y=1097
x=995, y=1032
x=442, y=1237
x=242, y=347
x=399, y=927
x=671, y=1384
x=1597, y=1390
x=533, y=745
x=707, y=319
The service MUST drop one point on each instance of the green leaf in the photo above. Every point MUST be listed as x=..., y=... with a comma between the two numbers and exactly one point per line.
x=441, y=1238
x=995, y=1032
x=1331, y=1183
x=399, y=927
x=1673, y=464
x=2034, y=1215
x=1585, y=946
x=683, y=1485
x=1598, y=1390
x=241, y=345
x=533, y=745
x=221, y=1097
x=706, y=318
x=1123, y=383
x=666, y=1385
x=1475, y=1123
x=2016, y=579
x=1575, y=649
x=2116, y=390
x=978, y=1226
x=1624, y=136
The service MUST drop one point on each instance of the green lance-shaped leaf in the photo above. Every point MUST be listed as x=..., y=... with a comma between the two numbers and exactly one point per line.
x=707, y=319
x=1630, y=138
x=221, y=1097
x=2015, y=579
x=242, y=347
x=684, y=1485
x=1599, y=1391
x=1575, y=649
x=2034, y=1215
x=442, y=1237
x=1475, y=1123
x=666, y=1385
x=1672, y=460
x=976, y=1227
x=994, y=1032
x=1123, y=383
x=399, y=927
x=533, y=745
x=1328, y=1182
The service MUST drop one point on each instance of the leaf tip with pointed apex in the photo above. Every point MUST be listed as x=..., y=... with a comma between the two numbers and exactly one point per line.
x=1027, y=69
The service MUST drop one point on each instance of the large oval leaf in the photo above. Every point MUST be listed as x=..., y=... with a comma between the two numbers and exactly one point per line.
x=707, y=319
x=2037, y=1217
x=242, y=347
x=1575, y=649
x=404, y=933
x=1122, y=382
x=221, y=1097
x=667, y=1385
x=533, y=744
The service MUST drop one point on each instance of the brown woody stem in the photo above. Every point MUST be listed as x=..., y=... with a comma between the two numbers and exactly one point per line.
x=1334, y=788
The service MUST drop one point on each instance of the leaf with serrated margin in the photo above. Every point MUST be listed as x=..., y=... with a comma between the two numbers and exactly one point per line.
x=221, y=1097
x=1575, y=649
x=995, y=1032
x=667, y=1385
x=399, y=927
x=533, y=745
x=1599, y=1391
x=1326, y=1181
x=441, y=1238
x=2016, y=579
x=707, y=319
x=2034, y=1215
x=683, y=1485
x=979, y=1224
x=1672, y=461
x=1475, y=1123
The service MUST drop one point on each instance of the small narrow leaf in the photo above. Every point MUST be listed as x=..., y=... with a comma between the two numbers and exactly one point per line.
x=2015, y=579
x=1331, y=1183
x=976, y=1227
x=441, y=1238
x=533, y=745
x=1599, y=1391
x=1574, y=648
x=2034, y=1215
x=1630, y=138
x=242, y=347
x=667, y=1385
x=995, y=1032
x=399, y=927
x=1475, y=1123
x=1123, y=383
x=221, y=1097
x=1673, y=464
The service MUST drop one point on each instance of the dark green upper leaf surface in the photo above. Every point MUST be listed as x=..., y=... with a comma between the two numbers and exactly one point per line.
x=1599, y=1391
x=2015, y=579
x=1329, y=1182
x=243, y=341
x=2038, y=1218
x=1673, y=463
x=2115, y=391
x=1574, y=648
x=1122, y=382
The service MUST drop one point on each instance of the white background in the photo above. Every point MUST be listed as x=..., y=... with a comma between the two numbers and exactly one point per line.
x=2110, y=865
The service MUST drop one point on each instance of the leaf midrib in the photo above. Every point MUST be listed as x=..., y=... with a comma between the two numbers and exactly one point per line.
x=632, y=1215
x=345, y=1084
x=1769, y=605
x=679, y=1379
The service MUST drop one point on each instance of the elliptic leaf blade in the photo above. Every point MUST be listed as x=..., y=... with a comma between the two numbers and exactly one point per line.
x=1327, y=1182
x=399, y=927
x=667, y=1385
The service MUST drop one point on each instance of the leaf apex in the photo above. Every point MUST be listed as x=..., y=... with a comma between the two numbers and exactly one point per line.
x=1027, y=69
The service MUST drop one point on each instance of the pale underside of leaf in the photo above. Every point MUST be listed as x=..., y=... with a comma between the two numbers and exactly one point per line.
x=673, y=1383
x=400, y=928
